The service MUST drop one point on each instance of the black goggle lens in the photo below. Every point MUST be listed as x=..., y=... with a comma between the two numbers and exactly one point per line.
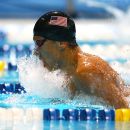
x=39, y=43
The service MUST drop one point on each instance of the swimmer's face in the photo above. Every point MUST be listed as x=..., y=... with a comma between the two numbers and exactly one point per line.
x=47, y=50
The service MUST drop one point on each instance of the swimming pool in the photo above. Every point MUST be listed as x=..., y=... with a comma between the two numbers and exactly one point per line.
x=25, y=111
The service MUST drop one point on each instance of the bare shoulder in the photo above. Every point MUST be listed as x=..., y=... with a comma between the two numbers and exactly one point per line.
x=92, y=64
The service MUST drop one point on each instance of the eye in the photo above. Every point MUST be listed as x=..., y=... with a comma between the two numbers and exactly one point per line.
x=39, y=43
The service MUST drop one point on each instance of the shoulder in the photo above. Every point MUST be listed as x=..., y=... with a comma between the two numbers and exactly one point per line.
x=91, y=63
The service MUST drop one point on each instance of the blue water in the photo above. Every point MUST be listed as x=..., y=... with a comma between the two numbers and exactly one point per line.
x=86, y=125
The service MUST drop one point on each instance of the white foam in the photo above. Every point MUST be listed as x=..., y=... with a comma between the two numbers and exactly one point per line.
x=39, y=81
x=123, y=70
x=84, y=100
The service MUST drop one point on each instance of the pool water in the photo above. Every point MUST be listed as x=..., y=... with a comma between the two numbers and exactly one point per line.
x=117, y=54
x=61, y=125
x=67, y=125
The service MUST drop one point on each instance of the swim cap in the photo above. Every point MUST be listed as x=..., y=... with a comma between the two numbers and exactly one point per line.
x=57, y=26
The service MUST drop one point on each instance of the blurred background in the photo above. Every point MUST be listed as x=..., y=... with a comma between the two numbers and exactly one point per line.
x=103, y=28
x=95, y=19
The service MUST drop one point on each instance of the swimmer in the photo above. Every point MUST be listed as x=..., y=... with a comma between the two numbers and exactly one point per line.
x=54, y=37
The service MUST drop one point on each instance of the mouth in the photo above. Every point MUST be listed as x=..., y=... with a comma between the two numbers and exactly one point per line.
x=37, y=53
x=45, y=63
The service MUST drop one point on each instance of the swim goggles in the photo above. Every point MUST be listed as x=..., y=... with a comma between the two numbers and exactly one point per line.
x=40, y=42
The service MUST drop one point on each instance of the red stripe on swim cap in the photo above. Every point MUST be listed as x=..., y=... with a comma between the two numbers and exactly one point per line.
x=58, y=20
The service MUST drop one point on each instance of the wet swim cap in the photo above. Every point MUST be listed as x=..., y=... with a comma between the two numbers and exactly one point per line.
x=57, y=26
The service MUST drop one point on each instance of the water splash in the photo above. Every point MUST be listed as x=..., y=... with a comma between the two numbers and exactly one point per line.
x=123, y=69
x=39, y=81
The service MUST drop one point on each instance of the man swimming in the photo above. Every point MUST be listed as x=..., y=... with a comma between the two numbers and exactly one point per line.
x=54, y=36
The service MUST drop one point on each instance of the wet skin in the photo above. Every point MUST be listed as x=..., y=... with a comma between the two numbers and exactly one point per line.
x=87, y=73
